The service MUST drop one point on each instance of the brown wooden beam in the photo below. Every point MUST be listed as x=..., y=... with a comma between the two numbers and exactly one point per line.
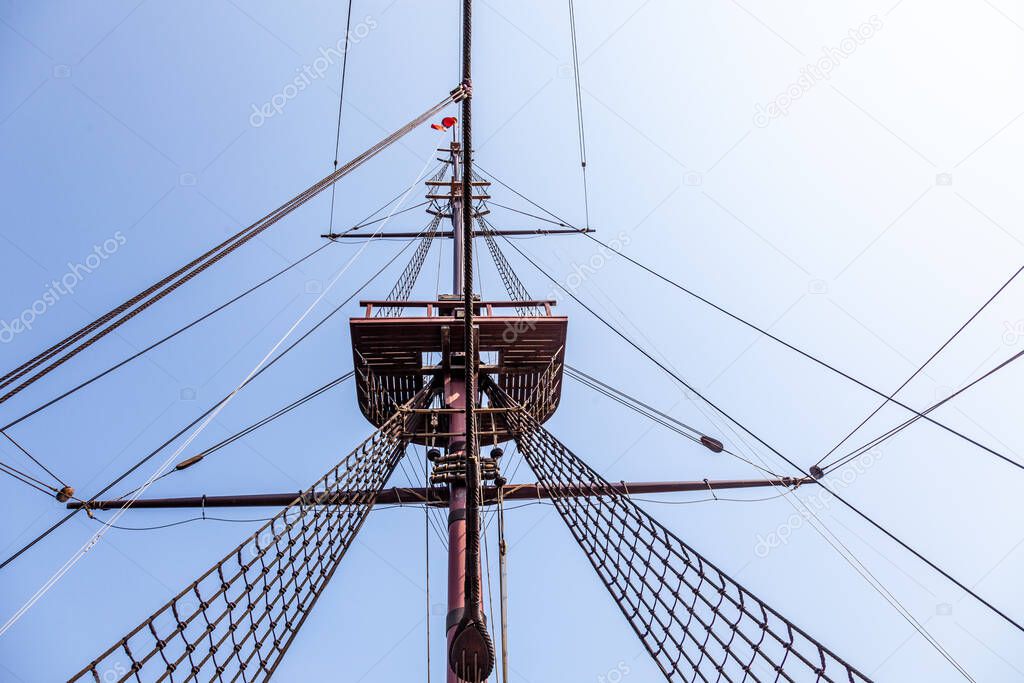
x=449, y=233
x=439, y=496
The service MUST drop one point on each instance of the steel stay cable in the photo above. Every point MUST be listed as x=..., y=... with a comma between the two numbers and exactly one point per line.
x=194, y=422
x=206, y=260
x=679, y=379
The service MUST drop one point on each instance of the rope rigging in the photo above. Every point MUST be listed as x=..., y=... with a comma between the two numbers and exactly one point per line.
x=407, y=280
x=857, y=452
x=579, y=111
x=692, y=618
x=921, y=368
x=658, y=417
x=245, y=431
x=164, y=339
x=66, y=349
x=238, y=619
x=121, y=477
x=513, y=285
x=341, y=103
x=765, y=444
x=765, y=332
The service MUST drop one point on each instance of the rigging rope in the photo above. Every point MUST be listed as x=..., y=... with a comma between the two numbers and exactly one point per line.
x=407, y=280
x=503, y=582
x=658, y=417
x=245, y=431
x=27, y=479
x=771, y=448
x=921, y=368
x=341, y=102
x=760, y=330
x=238, y=619
x=513, y=285
x=579, y=111
x=857, y=452
x=168, y=284
x=167, y=338
x=693, y=619
x=196, y=421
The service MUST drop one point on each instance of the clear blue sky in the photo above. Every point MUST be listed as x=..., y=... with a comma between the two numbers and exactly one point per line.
x=864, y=224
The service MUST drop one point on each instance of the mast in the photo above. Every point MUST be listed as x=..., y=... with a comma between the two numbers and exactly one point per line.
x=470, y=650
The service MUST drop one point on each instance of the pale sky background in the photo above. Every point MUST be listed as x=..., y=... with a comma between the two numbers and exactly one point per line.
x=865, y=225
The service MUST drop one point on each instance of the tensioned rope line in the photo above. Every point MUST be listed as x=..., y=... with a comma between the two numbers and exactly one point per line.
x=513, y=285
x=579, y=110
x=32, y=457
x=245, y=431
x=167, y=338
x=692, y=618
x=899, y=428
x=658, y=417
x=27, y=479
x=239, y=618
x=771, y=448
x=921, y=368
x=194, y=422
x=831, y=539
x=341, y=103
x=766, y=333
x=98, y=535
x=166, y=286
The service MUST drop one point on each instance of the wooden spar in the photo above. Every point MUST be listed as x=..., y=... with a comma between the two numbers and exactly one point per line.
x=449, y=233
x=438, y=495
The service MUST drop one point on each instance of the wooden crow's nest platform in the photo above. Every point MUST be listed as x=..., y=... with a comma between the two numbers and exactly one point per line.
x=522, y=349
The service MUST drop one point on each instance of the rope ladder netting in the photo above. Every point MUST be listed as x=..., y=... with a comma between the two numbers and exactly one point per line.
x=237, y=620
x=696, y=622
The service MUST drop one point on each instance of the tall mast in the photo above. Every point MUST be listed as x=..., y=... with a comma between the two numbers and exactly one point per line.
x=470, y=650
